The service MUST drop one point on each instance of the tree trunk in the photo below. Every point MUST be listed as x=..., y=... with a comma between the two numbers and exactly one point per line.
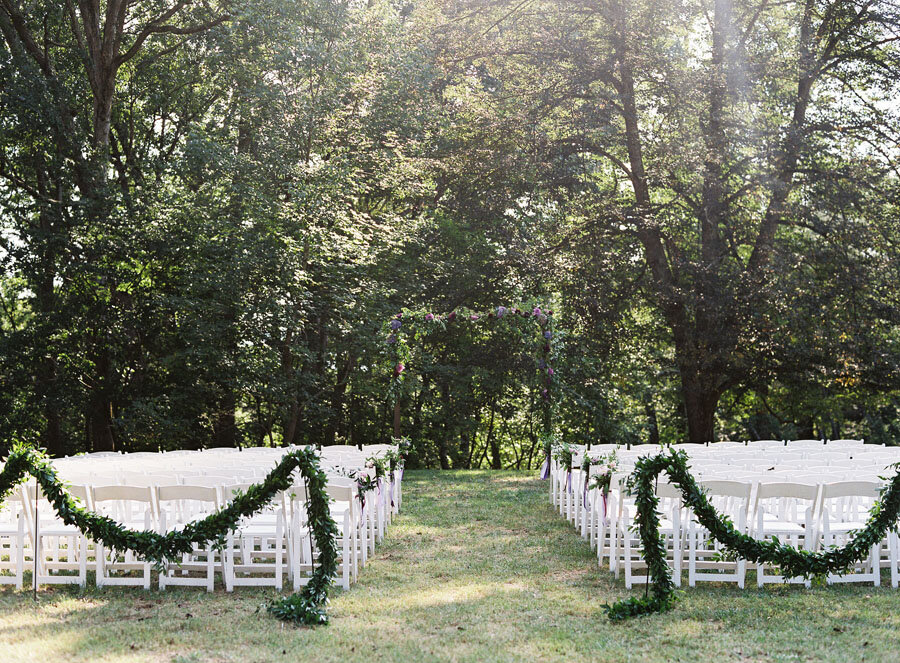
x=652, y=420
x=496, y=462
x=99, y=415
x=337, y=399
x=442, y=439
x=225, y=425
x=397, y=419
x=700, y=409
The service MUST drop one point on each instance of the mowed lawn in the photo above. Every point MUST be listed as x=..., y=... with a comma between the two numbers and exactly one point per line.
x=478, y=568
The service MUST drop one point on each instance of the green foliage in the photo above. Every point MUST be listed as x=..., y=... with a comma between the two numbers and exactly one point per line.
x=791, y=561
x=306, y=607
x=212, y=268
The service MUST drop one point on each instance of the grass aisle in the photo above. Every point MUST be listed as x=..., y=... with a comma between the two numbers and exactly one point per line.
x=479, y=568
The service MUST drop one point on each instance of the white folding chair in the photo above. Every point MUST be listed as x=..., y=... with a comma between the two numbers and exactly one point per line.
x=670, y=509
x=844, y=507
x=706, y=557
x=132, y=507
x=345, y=509
x=12, y=540
x=59, y=548
x=179, y=505
x=254, y=553
x=785, y=510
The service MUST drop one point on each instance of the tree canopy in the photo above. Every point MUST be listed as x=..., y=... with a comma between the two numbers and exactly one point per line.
x=208, y=211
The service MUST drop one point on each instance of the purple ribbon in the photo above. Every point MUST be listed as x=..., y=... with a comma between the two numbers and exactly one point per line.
x=545, y=470
x=569, y=481
x=584, y=497
x=392, y=489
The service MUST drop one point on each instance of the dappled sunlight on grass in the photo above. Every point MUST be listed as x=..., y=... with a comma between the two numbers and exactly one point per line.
x=478, y=568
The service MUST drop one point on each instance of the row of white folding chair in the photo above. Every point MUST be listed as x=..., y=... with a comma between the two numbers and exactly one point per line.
x=776, y=514
x=380, y=513
x=58, y=547
x=140, y=508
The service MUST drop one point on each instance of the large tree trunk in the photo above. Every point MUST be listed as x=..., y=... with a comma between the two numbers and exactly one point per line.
x=47, y=383
x=337, y=399
x=99, y=414
x=652, y=419
x=225, y=424
x=700, y=402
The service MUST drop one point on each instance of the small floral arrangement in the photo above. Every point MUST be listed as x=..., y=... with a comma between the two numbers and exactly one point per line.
x=379, y=464
x=605, y=466
x=563, y=453
x=393, y=459
x=548, y=443
x=365, y=484
x=396, y=458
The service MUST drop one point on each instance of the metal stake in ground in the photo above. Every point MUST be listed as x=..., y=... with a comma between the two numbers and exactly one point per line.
x=36, y=544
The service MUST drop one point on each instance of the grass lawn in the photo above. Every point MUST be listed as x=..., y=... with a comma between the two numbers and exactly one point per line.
x=478, y=568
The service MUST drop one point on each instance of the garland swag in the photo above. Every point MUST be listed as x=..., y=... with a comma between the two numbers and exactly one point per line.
x=304, y=607
x=792, y=562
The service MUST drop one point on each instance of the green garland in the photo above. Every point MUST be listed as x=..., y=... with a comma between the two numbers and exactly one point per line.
x=306, y=607
x=791, y=561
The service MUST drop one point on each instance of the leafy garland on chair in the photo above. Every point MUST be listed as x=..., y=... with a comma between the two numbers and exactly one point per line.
x=304, y=607
x=791, y=561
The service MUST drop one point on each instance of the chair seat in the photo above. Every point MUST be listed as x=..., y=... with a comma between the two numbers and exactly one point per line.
x=58, y=528
x=843, y=528
x=782, y=527
x=257, y=529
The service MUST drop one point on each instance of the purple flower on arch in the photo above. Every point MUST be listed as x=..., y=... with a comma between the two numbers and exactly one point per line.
x=398, y=369
x=451, y=316
x=501, y=311
x=545, y=395
x=542, y=364
x=429, y=317
x=395, y=324
x=550, y=371
x=548, y=335
x=473, y=317
x=392, y=339
x=546, y=348
x=536, y=312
